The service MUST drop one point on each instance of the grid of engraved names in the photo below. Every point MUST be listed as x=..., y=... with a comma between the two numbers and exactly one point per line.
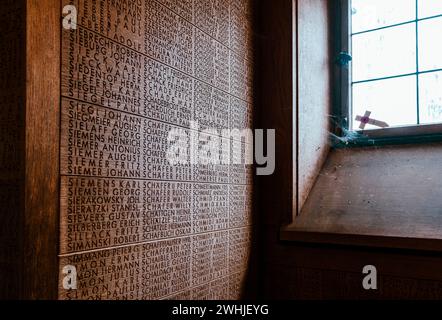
x=133, y=225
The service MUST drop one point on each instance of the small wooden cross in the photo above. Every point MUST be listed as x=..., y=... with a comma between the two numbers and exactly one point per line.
x=366, y=120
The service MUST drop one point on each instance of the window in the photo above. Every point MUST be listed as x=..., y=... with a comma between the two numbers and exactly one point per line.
x=395, y=76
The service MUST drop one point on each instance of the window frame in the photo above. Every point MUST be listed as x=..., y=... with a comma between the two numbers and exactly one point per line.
x=419, y=133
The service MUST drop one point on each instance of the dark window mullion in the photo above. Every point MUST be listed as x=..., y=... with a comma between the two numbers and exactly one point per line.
x=396, y=24
x=397, y=76
x=417, y=64
x=385, y=78
x=383, y=28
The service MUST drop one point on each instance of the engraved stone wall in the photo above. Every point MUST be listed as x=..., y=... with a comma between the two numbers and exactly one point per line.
x=133, y=225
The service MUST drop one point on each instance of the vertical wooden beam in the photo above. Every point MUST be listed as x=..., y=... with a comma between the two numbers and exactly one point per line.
x=314, y=93
x=295, y=114
x=276, y=73
x=40, y=267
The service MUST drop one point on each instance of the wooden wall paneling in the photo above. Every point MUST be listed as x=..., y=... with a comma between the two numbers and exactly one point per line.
x=314, y=93
x=41, y=215
x=276, y=103
x=127, y=75
x=133, y=225
x=29, y=119
x=276, y=109
x=304, y=271
x=327, y=272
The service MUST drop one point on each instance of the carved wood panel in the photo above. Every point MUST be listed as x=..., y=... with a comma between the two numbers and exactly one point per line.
x=133, y=225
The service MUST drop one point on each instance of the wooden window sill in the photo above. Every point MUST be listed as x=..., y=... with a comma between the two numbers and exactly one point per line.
x=389, y=197
x=295, y=234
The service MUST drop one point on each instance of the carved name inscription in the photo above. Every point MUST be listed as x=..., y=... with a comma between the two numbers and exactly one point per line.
x=213, y=18
x=241, y=33
x=241, y=114
x=239, y=249
x=211, y=61
x=142, y=272
x=241, y=206
x=211, y=207
x=102, y=142
x=169, y=37
x=121, y=21
x=100, y=213
x=240, y=77
x=159, y=269
x=100, y=71
x=184, y=8
x=212, y=107
x=209, y=257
